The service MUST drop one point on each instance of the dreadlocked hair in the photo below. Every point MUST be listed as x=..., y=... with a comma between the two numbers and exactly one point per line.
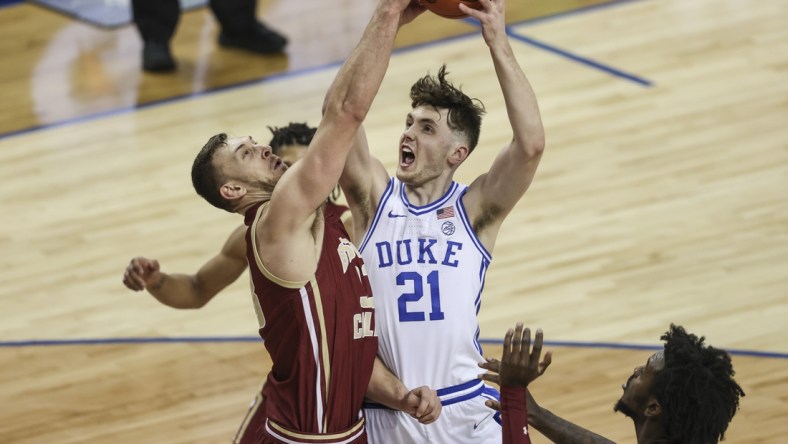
x=206, y=177
x=696, y=389
x=464, y=114
x=292, y=134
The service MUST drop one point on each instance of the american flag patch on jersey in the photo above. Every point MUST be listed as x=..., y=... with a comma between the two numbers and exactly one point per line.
x=445, y=213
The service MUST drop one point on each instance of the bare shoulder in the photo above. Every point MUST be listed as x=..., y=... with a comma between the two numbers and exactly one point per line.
x=291, y=252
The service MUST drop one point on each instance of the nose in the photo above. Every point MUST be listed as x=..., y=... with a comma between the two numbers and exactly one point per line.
x=408, y=133
x=266, y=152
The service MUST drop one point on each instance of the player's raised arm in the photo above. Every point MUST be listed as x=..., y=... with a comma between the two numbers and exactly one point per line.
x=346, y=105
x=496, y=192
x=363, y=181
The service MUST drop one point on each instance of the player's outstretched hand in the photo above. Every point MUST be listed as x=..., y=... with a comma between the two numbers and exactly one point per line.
x=520, y=363
x=491, y=16
x=413, y=9
x=141, y=273
x=423, y=404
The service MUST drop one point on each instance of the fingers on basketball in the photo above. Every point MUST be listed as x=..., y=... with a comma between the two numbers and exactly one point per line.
x=450, y=8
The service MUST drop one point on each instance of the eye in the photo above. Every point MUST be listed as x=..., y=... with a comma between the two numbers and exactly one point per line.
x=247, y=152
x=427, y=129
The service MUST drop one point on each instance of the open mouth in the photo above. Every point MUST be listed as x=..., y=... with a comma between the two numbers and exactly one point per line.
x=406, y=156
x=278, y=164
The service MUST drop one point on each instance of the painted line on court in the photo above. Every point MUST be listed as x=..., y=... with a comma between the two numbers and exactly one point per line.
x=236, y=339
x=580, y=59
x=576, y=11
x=510, y=31
x=283, y=75
x=5, y=3
x=625, y=346
x=113, y=341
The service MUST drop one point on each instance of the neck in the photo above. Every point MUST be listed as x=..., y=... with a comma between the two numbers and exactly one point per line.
x=249, y=201
x=651, y=431
x=421, y=194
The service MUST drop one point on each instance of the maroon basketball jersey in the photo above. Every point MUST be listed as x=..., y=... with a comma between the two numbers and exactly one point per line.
x=319, y=334
x=335, y=209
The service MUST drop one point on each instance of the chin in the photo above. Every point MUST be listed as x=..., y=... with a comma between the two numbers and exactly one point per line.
x=623, y=408
x=404, y=176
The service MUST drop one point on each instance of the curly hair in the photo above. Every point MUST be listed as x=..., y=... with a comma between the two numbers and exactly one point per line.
x=464, y=113
x=292, y=134
x=206, y=177
x=296, y=134
x=696, y=389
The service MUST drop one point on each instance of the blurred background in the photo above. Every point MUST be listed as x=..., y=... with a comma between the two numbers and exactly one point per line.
x=662, y=197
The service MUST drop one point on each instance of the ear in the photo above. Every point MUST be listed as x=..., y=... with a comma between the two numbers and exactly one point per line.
x=232, y=191
x=459, y=155
x=653, y=407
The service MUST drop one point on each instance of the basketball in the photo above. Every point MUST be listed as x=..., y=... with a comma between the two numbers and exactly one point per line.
x=450, y=8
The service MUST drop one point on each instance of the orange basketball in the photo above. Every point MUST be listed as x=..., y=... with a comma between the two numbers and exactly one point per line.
x=449, y=8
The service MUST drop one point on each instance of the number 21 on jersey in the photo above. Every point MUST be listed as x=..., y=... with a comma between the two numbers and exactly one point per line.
x=416, y=282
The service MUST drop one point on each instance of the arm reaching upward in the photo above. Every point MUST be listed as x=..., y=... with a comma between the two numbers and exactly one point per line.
x=286, y=239
x=519, y=366
x=516, y=369
x=494, y=194
x=363, y=181
x=345, y=107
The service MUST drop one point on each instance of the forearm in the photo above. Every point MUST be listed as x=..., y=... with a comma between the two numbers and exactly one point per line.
x=177, y=291
x=360, y=77
x=514, y=416
x=521, y=104
x=561, y=431
x=384, y=388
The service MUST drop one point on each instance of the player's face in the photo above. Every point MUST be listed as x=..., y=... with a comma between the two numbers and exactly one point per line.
x=637, y=389
x=425, y=145
x=243, y=159
x=291, y=154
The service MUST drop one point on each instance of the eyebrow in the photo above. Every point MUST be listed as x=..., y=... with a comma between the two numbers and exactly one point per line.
x=421, y=119
x=243, y=144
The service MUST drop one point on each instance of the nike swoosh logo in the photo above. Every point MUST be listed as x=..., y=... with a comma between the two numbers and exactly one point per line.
x=392, y=215
x=477, y=424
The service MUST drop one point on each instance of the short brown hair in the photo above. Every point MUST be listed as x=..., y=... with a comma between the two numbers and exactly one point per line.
x=206, y=178
x=464, y=113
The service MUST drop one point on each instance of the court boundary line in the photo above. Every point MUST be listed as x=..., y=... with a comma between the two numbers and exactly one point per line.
x=237, y=339
x=580, y=59
x=309, y=70
x=7, y=3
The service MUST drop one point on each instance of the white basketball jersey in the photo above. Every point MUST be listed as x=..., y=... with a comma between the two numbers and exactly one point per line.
x=426, y=268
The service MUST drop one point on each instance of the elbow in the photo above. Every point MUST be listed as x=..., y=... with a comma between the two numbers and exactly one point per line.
x=536, y=147
x=345, y=110
x=533, y=147
x=200, y=296
x=353, y=113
